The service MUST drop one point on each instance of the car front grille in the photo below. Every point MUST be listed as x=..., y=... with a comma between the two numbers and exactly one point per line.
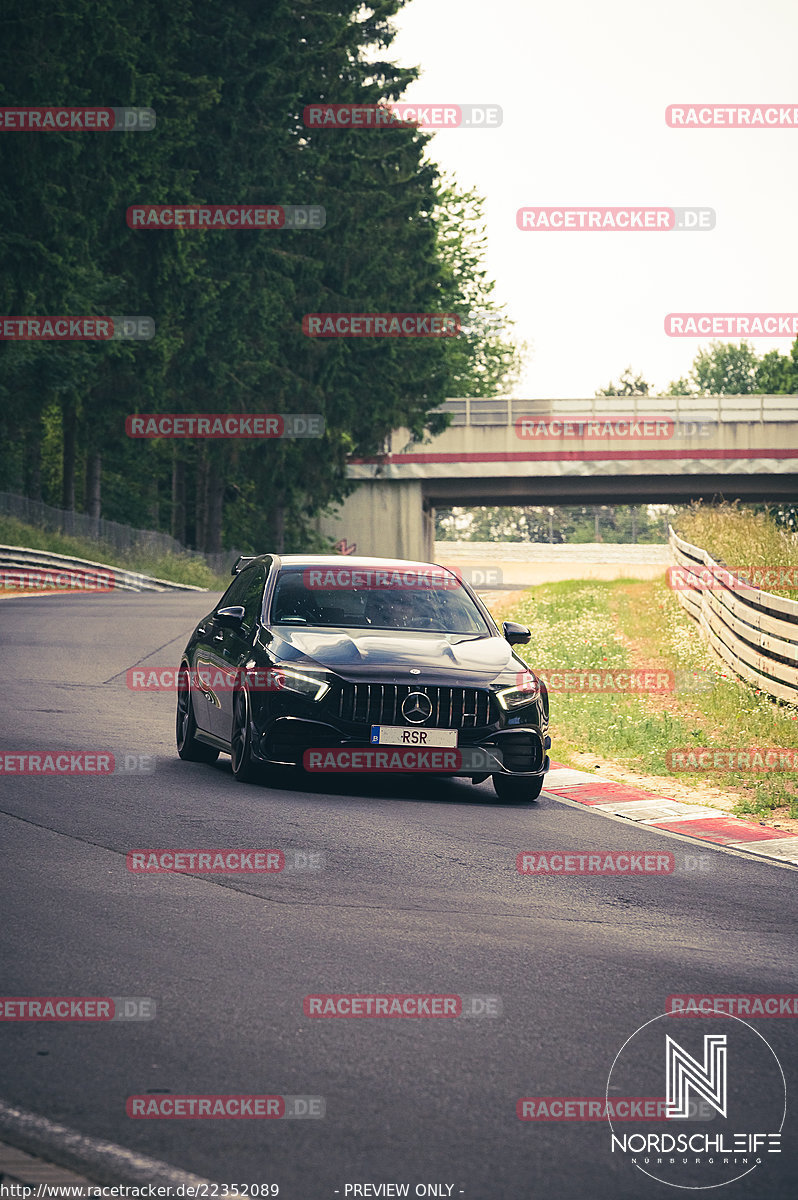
x=381, y=704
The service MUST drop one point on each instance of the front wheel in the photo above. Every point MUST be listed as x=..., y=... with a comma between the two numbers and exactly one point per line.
x=189, y=749
x=517, y=789
x=244, y=769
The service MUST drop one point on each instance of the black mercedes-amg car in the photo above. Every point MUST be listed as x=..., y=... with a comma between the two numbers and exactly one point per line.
x=330, y=663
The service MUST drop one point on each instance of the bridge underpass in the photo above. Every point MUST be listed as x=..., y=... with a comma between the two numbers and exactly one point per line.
x=659, y=450
x=603, y=489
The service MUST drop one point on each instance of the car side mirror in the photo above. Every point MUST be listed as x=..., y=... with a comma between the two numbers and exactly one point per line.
x=229, y=618
x=514, y=633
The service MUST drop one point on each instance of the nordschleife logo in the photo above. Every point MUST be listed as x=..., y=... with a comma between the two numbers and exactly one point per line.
x=725, y=1103
x=684, y=1074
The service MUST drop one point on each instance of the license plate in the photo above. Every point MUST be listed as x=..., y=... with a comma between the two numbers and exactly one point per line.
x=400, y=735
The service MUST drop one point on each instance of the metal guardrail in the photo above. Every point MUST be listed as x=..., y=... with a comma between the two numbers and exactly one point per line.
x=110, y=533
x=754, y=632
x=22, y=558
x=504, y=410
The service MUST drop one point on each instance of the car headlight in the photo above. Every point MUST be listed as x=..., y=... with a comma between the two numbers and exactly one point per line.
x=309, y=686
x=525, y=691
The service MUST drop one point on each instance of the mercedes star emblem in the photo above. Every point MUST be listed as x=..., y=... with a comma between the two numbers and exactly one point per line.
x=416, y=708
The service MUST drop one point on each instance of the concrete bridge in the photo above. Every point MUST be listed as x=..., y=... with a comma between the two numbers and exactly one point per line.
x=601, y=450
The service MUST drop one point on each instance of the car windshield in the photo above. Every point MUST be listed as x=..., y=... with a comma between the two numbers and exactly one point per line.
x=372, y=598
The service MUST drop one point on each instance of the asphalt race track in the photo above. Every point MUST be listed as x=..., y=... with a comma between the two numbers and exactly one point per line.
x=419, y=893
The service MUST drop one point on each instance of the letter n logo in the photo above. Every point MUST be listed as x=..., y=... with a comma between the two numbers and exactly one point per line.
x=684, y=1072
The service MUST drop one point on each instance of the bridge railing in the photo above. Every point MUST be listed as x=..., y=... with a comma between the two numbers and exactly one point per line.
x=754, y=632
x=505, y=410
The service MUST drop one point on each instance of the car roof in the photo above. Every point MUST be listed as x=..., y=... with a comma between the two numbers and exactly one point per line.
x=350, y=560
x=336, y=561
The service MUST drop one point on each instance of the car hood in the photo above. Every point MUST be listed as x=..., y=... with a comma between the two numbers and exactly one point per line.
x=389, y=655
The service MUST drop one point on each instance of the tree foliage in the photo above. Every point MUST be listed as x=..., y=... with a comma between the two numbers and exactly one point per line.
x=555, y=525
x=725, y=369
x=628, y=384
x=229, y=85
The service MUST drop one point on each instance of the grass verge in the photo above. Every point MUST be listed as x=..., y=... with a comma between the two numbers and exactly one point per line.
x=633, y=623
x=740, y=539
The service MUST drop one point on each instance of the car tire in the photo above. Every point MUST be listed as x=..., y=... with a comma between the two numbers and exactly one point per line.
x=517, y=789
x=244, y=769
x=189, y=749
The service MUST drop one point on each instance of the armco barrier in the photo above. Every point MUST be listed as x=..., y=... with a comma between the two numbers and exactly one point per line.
x=754, y=632
x=107, y=533
x=20, y=557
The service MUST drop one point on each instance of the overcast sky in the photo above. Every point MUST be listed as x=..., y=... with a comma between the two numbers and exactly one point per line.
x=584, y=85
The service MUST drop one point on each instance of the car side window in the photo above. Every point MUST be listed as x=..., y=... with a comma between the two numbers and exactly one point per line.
x=253, y=597
x=246, y=590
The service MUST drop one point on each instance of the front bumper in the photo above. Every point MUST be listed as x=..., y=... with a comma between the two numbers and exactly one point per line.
x=520, y=751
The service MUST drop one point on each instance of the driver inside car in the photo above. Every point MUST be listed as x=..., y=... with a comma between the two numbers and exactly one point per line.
x=396, y=610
